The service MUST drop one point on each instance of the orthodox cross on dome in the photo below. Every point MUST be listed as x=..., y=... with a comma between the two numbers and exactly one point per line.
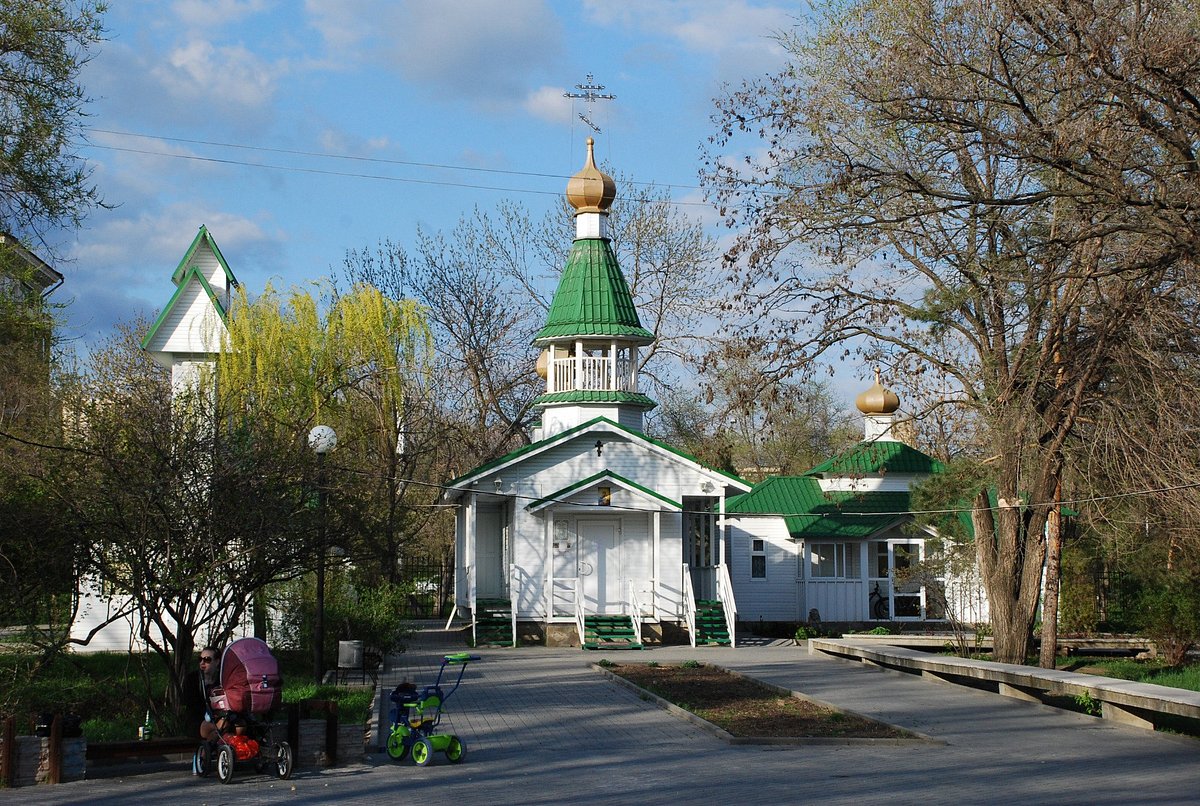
x=590, y=92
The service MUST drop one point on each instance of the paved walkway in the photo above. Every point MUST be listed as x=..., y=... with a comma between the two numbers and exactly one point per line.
x=541, y=727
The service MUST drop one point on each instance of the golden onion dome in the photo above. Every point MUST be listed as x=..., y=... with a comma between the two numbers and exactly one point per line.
x=591, y=190
x=877, y=399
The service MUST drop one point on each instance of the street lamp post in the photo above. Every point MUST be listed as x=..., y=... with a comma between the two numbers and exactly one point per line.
x=322, y=439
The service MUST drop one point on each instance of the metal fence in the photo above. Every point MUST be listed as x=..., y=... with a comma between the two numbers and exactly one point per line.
x=430, y=581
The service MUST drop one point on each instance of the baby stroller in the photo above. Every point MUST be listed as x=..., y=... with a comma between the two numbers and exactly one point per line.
x=415, y=716
x=250, y=689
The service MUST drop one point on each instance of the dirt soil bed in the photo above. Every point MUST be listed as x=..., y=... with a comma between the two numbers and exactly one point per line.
x=746, y=708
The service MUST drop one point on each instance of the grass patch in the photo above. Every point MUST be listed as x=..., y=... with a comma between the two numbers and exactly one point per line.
x=111, y=692
x=1139, y=671
x=747, y=708
x=354, y=702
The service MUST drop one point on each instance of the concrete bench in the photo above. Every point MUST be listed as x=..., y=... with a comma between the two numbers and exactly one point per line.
x=1143, y=705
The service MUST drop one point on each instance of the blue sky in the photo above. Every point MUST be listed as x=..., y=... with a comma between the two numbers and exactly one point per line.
x=362, y=87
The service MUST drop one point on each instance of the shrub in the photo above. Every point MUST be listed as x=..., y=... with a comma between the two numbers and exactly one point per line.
x=803, y=633
x=1170, y=616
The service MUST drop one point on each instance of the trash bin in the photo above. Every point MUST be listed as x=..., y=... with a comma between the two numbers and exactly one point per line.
x=350, y=658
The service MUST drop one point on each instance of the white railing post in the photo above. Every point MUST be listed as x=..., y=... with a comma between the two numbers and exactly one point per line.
x=635, y=611
x=513, y=587
x=689, y=605
x=579, y=613
x=728, y=604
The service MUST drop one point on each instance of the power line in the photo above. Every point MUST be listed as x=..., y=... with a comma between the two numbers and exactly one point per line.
x=354, y=158
x=326, y=155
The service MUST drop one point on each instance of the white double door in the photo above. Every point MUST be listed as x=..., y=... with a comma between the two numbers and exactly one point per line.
x=600, y=566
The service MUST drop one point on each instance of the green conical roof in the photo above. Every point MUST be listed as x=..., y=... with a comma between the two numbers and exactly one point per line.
x=593, y=298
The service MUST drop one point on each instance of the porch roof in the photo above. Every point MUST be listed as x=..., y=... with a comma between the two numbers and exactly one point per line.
x=810, y=513
x=617, y=479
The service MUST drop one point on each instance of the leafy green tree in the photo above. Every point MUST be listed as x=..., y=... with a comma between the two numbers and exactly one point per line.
x=181, y=512
x=43, y=46
x=996, y=194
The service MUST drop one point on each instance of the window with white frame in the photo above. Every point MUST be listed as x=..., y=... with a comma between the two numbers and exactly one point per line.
x=835, y=561
x=758, y=559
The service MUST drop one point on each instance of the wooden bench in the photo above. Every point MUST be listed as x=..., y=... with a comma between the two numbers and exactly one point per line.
x=1143, y=705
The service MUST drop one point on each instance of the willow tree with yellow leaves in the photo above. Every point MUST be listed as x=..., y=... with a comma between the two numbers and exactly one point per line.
x=359, y=362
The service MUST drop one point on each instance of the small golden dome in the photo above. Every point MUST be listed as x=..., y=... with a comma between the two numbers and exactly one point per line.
x=591, y=190
x=877, y=399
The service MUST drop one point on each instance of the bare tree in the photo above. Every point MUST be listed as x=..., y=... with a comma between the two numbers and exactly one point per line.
x=996, y=193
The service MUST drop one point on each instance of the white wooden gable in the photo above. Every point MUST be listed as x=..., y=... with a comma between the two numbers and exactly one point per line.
x=191, y=327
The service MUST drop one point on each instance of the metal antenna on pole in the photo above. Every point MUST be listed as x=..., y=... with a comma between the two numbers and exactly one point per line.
x=590, y=92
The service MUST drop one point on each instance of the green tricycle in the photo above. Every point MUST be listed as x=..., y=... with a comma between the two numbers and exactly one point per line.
x=416, y=715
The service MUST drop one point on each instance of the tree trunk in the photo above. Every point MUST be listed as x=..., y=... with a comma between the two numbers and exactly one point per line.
x=1010, y=551
x=1049, y=648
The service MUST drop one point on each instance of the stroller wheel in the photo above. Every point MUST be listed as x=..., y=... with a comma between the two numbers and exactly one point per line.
x=455, y=750
x=202, y=763
x=396, y=748
x=422, y=752
x=225, y=763
x=283, y=760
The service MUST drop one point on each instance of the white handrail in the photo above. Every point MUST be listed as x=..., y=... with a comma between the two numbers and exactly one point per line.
x=689, y=605
x=725, y=594
x=635, y=612
x=513, y=588
x=579, y=613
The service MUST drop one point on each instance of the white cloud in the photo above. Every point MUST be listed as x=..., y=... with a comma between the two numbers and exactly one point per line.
x=345, y=25
x=230, y=75
x=549, y=104
x=192, y=84
x=488, y=51
x=213, y=13
x=738, y=34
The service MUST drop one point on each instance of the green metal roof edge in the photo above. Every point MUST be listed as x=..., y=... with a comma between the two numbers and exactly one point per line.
x=178, y=275
x=626, y=321
x=935, y=466
x=179, y=288
x=863, y=522
x=596, y=396
x=570, y=432
x=592, y=479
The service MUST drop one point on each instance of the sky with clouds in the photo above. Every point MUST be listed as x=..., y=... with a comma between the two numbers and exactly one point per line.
x=297, y=130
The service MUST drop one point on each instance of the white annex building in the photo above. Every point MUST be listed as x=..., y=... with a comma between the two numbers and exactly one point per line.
x=598, y=535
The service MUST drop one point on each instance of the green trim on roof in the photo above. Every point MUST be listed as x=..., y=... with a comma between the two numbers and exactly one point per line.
x=582, y=427
x=594, y=396
x=592, y=298
x=203, y=235
x=179, y=289
x=875, y=457
x=810, y=513
x=556, y=497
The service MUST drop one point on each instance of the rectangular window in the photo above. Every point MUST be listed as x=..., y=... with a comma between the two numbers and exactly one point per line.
x=758, y=559
x=835, y=561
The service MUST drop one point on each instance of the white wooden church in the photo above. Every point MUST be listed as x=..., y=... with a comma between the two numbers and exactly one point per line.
x=600, y=536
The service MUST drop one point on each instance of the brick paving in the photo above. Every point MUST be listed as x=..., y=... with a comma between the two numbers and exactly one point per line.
x=541, y=727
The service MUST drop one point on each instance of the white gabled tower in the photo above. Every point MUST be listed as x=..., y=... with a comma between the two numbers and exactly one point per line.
x=190, y=331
